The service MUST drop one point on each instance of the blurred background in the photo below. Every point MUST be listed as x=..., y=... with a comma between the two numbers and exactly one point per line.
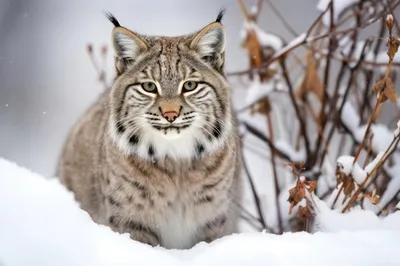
x=46, y=77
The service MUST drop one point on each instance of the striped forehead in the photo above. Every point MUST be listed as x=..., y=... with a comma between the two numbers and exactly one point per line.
x=167, y=69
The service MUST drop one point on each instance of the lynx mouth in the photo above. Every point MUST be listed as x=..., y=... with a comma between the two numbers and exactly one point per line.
x=171, y=128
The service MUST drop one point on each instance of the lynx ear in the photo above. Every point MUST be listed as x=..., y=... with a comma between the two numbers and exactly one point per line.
x=127, y=45
x=210, y=41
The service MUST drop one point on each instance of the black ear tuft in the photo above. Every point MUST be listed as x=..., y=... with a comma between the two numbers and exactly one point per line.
x=112, y=19
x=220, y=15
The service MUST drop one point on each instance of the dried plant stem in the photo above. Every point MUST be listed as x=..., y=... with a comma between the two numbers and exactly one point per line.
x=303, y=129
x=382, y=160
x=255, y=193
x=278, y=55
x=371, y=120
x=368, y=150
x=337, y=196
x=244, y=10
x=265, y=139
x=100, y=72
x=275, y=173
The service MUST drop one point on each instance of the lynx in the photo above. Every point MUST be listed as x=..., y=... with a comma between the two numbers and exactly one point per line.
x=157, y=156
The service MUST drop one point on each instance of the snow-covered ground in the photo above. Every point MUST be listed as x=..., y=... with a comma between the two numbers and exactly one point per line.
x=41, y=224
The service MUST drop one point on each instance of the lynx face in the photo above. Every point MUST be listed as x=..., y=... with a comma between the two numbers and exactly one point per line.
x=170, y=97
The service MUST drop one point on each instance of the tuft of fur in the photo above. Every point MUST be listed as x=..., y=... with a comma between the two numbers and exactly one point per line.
x=221, y=14
x=157, y=155
x=112, y=19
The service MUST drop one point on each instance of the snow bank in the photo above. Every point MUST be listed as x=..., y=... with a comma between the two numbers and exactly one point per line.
x=42, y=225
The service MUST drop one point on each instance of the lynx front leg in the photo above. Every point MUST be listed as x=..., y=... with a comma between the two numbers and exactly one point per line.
x=143, y=234
x=216, y=228
x=137, y=230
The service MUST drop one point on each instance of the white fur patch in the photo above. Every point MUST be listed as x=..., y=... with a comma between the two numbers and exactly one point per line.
x=126, y=46
x=172, y=144
x=213, y=41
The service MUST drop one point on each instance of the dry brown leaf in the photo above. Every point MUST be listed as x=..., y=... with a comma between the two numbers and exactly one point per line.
x=373, y=197
x=253, y=46
x=296, y=195
x=311, y=185
x=264, y=106
x=379, y=86
x=386, y=87
x=348, y=185
x=304, y=212
x=393, y=46
x=390, y=91
x=311, y=81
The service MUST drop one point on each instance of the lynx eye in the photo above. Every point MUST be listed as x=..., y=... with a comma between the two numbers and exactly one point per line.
x=189, y=85
x=149, y=87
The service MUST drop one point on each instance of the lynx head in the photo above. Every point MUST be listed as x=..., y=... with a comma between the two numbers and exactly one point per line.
x=170, y=96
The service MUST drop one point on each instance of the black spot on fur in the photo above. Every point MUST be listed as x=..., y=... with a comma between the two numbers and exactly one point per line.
x=112, y=220
x=217, y=222
x=153, y=114
x=136, y=226
x=139, y=207
x=138, y=186
x=199, y=149
x=205, y=199
x=134, y=183
x=134, y=139
x=145, y=195
x=112, y=201
x=210, y=186
x=220, y=15
x=120, y=127
x=114, y=21
x=151, y=150
x=217, y=130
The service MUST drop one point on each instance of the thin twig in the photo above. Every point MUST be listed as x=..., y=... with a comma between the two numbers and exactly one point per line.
x=275, y=173
x=302, y=122
x=254, y=192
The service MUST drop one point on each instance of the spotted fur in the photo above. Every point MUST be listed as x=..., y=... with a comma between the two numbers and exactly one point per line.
x=169, y=183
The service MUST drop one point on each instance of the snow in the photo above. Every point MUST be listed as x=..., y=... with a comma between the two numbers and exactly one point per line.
x=397, y=131
x=293, y=43
x=350, y=117
x=373, y=164
x=265, y=39
x=345, y=162
x=338, y=7
x=382, y=136
x=42, y=225
x=285, y=147
x=357, y=219
x=258, y=90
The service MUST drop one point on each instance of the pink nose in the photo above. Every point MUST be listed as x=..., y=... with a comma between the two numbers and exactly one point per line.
x=170, y=116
